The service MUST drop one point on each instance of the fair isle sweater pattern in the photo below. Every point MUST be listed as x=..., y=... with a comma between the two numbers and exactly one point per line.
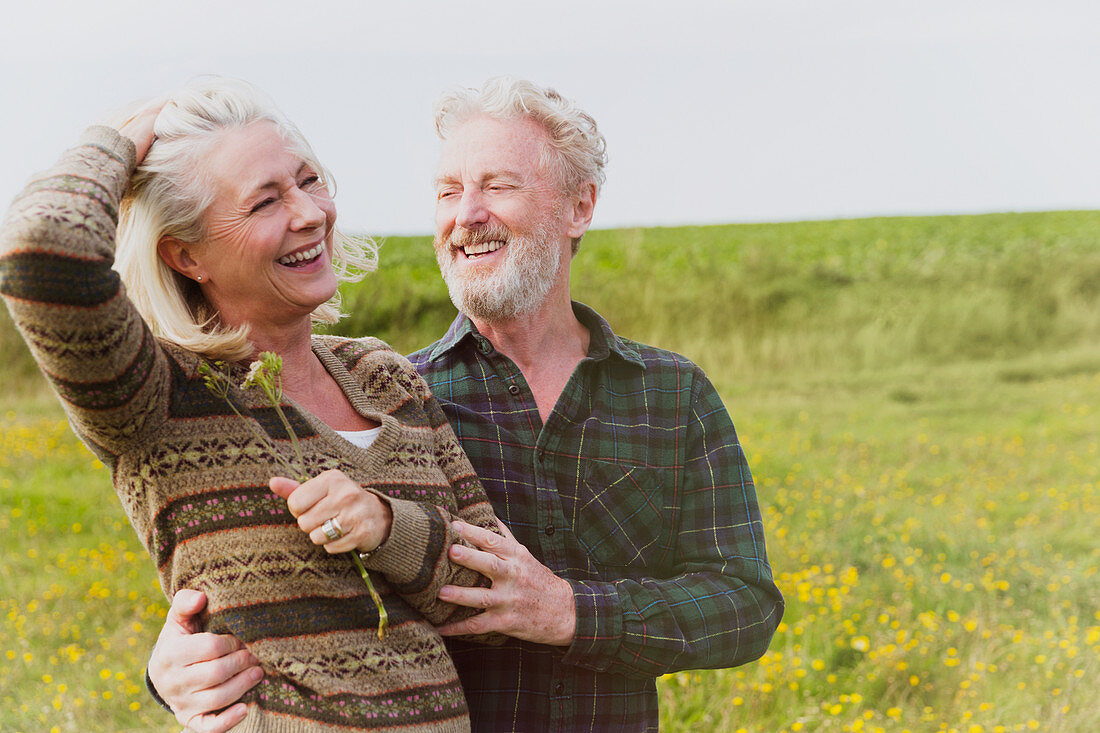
x=192, y=477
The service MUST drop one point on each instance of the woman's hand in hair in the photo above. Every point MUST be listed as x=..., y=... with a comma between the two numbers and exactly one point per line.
x=135, y=121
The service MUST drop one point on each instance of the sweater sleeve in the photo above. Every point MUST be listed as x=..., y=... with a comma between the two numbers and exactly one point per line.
x=414, y=558
x=56, y=252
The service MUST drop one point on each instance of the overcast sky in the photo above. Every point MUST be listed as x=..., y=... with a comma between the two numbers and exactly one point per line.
x=714, y=112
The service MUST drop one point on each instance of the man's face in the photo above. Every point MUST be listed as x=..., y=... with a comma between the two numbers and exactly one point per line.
x=502, y=223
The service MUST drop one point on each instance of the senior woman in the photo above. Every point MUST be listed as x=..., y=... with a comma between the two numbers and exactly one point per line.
x=226, y=248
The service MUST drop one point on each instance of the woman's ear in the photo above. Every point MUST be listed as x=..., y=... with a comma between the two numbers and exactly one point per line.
x=177, y=255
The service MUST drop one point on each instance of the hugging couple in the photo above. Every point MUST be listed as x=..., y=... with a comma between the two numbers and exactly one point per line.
x=518, y=527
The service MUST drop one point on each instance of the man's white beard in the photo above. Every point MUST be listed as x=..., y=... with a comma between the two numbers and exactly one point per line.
x=516, y=287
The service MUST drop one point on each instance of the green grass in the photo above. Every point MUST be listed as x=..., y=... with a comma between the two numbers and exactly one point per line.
x=754, y=300
x=952, y=505
x=919, y=399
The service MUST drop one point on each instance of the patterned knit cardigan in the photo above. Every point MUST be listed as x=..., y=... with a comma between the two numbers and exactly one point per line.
x=193, y=478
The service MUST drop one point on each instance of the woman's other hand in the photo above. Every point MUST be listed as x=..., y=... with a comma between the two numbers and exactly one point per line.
x=135, y=121
x=199, y=673
x=363, y=518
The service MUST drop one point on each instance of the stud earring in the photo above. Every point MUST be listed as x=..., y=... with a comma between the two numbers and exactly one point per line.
x=199, y=278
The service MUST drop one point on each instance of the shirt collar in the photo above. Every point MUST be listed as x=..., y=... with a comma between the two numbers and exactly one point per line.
x=602, y=340
x=461, y=328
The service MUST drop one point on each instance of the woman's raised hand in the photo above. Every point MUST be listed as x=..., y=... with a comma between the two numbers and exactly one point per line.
x=135, y=121
x=360, y=519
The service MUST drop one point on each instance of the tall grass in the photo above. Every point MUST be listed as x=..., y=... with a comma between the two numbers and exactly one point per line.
x=766, y=299
x=778, y=298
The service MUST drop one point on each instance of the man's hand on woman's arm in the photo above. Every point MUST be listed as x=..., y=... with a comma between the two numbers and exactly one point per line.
x=197, y=673
x=526, y=601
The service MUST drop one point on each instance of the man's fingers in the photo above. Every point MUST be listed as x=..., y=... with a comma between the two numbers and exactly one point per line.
x=227, y=692
x=224, y=654
x=217, y=723
x=216, y=673
x=507, y=533
x=469, y=597
x=486, y=563
x=473, y=625
x=186, y=606
x=207, y=647
x=211, y=686
x=479, y=537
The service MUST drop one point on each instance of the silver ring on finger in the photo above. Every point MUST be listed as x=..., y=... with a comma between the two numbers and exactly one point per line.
x=332, y=529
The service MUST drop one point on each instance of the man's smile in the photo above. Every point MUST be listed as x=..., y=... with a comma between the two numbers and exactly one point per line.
x=473, y=251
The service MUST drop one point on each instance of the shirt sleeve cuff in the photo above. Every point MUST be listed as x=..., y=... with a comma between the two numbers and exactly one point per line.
x=599, y=630
x=156, y=695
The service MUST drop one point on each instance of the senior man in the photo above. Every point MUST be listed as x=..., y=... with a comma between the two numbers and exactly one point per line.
x=634, y=545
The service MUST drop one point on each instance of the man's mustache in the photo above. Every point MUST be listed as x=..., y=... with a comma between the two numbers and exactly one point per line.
x=462, y=237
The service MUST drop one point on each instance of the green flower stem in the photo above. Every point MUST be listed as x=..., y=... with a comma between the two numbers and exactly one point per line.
x=383, y=617
x=218, y=382
x=293, y=440
x=266, y=373
x=297, y=474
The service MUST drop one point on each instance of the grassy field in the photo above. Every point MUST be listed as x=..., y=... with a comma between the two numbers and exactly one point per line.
x=920, y=402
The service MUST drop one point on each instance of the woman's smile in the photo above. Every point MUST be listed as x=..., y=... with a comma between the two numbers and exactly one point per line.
x=303, y=257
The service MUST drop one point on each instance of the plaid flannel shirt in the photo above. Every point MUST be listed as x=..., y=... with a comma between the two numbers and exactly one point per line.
x=637, y=492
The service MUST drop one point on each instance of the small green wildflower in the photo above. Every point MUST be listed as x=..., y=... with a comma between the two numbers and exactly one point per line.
x=265, y=374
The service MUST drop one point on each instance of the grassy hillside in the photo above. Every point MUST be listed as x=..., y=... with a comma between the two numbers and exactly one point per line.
x=918, y=400
x=772, y=299
x=761, y=300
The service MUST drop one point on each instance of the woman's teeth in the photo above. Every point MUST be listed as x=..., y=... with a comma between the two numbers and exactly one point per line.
x=482, y=247
x=308, y=254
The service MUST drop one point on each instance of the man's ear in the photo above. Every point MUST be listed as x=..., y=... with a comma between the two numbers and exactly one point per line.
x=584, y=203
x=177, y=255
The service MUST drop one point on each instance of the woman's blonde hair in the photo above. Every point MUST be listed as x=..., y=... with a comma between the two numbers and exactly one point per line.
x=169, y=194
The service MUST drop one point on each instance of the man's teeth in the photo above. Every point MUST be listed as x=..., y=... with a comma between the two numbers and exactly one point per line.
x=482, y=247
x=308, y=254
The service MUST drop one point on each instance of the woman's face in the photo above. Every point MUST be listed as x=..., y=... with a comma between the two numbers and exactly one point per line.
x=266, y=257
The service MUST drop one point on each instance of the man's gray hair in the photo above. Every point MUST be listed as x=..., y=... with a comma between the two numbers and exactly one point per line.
x=578, y=152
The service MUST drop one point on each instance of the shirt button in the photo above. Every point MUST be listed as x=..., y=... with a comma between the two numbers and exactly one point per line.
x=549, y=529
x=559, y=688
x=513, y=389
